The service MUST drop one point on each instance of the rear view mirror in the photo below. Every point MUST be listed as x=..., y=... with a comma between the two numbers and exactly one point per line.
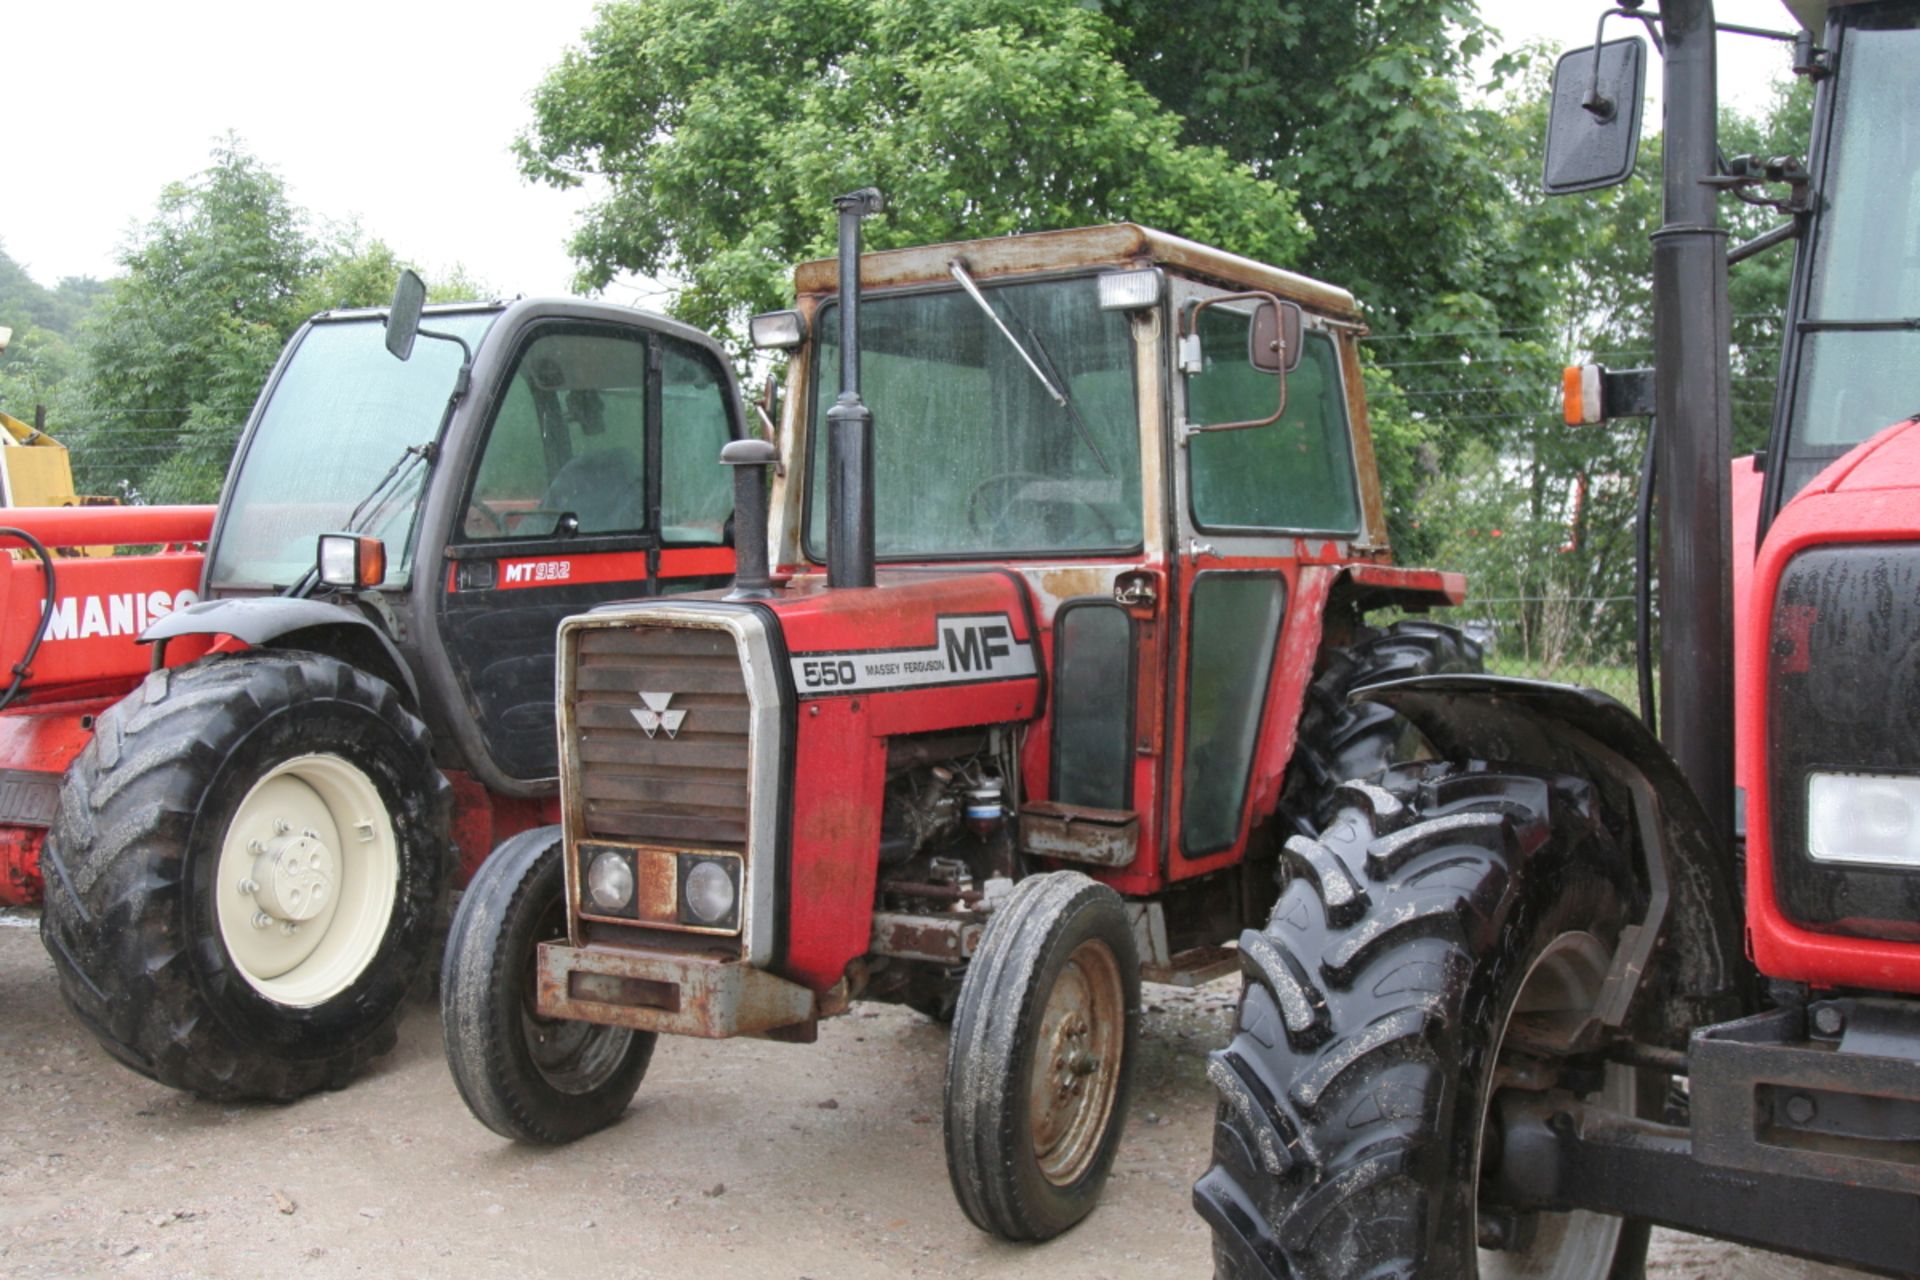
x=403, y=320
x=1593, y=131
x=1272, y=336
x=1273, y=340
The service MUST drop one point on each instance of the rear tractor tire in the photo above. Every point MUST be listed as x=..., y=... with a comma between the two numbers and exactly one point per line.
x=532, y=1079
x=245, y=872
x=1442, y=909
x=1338, y=740
x=1040, y=1066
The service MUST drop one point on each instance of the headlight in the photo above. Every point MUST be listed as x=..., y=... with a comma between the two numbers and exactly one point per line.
x=1863, y=818
x=610, y=882
x=707, y=892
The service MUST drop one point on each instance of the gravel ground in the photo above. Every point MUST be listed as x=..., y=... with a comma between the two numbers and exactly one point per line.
x=738, y=1158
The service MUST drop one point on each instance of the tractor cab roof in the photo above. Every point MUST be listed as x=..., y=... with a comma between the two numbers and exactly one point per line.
x=1121, y=245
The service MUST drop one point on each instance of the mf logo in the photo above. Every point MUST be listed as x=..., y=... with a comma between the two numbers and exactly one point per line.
x=654, y=716
x=975, y=646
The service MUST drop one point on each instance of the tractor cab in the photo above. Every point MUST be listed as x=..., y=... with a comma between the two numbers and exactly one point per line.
x=1008, y=709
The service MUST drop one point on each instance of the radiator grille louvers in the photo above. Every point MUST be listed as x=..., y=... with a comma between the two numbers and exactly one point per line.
x=685, y=785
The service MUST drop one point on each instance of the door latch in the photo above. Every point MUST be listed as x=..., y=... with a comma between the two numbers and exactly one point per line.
x=1135, y=591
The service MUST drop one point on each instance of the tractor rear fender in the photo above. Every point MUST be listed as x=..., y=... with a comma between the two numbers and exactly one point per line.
x=313, y=626
x=1687, y=880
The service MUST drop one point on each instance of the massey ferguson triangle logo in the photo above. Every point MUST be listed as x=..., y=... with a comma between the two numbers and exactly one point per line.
x=654, y=716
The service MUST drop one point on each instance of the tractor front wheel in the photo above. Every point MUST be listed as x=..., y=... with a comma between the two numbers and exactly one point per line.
x=245, y=872
x=1041, y=1061
x=529, y=1078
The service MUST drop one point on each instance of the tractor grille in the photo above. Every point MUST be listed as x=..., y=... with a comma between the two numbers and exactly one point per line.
x=685, y=785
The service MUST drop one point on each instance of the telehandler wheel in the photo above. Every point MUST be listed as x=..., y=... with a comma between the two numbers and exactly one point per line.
x=526, y=1077
x=245, y=872
x=1374, y=1029
x=1338, y=740
x=1040, y=1067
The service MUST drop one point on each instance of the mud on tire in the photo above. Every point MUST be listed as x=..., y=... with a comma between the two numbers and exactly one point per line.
x=1353, y=1091
x=149, y=955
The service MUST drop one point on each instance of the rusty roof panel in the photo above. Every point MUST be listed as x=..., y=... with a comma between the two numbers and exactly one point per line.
x=1121, y=244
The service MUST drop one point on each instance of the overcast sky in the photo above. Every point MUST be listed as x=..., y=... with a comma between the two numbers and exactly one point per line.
x=399, y=114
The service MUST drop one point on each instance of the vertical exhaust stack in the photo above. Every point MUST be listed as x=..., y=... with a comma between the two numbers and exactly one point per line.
x=850, y=422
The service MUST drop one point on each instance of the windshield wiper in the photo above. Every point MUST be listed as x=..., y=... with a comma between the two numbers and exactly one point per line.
x=371, y=506
x=959, y=271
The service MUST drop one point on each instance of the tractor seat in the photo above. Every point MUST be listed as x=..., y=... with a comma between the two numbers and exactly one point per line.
x=602, y=490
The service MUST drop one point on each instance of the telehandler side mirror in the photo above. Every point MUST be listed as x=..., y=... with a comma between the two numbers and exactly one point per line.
x=403, y=319
x=1593, y=128
x=1272, y=336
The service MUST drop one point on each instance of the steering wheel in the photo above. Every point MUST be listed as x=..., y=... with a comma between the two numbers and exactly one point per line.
x=987, y=518
x=480, y=507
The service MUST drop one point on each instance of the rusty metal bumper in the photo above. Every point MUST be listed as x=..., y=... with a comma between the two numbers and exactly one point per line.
x=663, y=991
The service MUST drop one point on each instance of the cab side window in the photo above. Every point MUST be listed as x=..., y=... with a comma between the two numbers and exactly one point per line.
x=566, y=452
x=696, y=492
x=1296, y=473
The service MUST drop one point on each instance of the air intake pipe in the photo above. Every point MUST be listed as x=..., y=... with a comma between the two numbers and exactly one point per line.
x=749, y=459
x=850, y=422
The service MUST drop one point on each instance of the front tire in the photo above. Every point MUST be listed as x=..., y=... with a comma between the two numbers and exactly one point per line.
x=1040, y=1066
x=1355, y=1093
x=245, y=872
x=529, y=1078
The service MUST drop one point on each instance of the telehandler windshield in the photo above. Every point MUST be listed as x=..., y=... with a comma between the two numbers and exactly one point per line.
x=338, y=416
x=973, y=455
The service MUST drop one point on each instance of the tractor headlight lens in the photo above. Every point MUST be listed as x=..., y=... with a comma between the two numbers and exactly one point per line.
x=610, y=882
x=708, y=893
x=1863, y=818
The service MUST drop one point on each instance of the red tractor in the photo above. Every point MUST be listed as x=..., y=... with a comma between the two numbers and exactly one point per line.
x=247, y=865
x=1123, y=499
x=1511, y=1008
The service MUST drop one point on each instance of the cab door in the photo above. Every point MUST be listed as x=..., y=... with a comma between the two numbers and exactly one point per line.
x=1251, y=502
x=597, y=479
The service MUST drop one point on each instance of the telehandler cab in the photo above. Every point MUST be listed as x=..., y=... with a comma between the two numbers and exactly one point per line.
x=1050, y=666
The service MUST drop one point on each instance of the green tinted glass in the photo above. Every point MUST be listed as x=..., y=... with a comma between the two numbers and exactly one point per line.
x=1296, y=473
x=972, y=456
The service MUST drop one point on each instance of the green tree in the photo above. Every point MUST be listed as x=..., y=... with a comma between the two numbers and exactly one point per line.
x=722, y=130
x=176, y=352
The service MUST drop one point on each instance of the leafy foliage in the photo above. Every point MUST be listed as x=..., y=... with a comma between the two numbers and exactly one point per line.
x=723, y=130
x=176, y=352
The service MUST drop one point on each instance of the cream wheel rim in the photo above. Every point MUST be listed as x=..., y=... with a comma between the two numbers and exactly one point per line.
x=309, y=870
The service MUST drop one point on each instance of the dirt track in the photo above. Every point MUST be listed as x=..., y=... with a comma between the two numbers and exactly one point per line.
x=742, y=1158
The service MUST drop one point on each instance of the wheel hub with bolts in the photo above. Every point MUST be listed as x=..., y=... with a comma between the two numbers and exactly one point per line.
x=293, y=877
x=1076, y=1063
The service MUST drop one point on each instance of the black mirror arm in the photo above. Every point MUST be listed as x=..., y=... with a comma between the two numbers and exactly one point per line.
x=463, y=379
x=1603, y=108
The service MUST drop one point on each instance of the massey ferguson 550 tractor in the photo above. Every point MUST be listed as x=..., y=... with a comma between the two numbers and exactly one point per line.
x=1465, y=1029
x=1121, y=496
x=248, y=863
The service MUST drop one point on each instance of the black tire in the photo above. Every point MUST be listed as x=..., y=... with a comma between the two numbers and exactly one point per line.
x=525, y=1077
x=1338, y=741
x=1053, y=926
x=1354, y=1091
x=147, y=813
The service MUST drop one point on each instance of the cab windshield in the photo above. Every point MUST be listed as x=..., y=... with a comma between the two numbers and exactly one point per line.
x=1859, y=367
x=973, y=455
x=341, y=415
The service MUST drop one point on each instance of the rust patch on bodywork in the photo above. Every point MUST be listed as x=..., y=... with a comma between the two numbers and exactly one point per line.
x=659, y=991
x=1077, y=833
x=940, y=939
